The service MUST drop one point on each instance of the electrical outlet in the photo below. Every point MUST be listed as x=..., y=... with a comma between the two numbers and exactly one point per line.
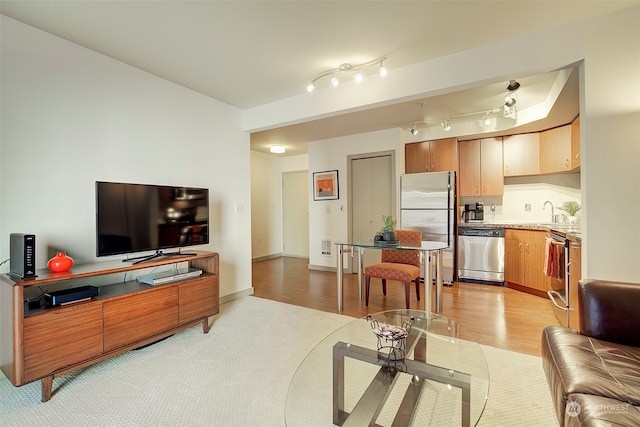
x=492, y=207
x=527, y=207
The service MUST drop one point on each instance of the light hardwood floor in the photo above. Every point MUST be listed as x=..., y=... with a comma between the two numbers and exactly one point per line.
x=491, y=315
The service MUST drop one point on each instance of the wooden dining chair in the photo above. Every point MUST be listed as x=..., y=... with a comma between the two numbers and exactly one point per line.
x=400, y=265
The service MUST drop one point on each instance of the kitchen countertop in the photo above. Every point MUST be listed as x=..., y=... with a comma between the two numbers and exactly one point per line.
x=571, y=232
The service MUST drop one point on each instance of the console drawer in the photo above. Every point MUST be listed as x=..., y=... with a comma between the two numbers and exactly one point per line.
x=137, y=328
x=118, y=310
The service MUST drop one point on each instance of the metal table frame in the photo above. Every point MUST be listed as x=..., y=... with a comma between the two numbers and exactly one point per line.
x=430, y=252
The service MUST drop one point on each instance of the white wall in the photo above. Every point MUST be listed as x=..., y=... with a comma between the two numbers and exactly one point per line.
x=331, y=154
x=266, y=200
x=606, y=50
x=71, y=116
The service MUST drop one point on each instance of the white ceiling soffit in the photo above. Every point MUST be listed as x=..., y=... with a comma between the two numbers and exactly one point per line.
x=544, y=101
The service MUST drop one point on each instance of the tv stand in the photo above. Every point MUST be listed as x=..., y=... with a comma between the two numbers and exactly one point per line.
x=158, y=254
x=47, y=342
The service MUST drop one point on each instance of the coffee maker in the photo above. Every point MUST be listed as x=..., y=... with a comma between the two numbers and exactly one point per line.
x=473, y=212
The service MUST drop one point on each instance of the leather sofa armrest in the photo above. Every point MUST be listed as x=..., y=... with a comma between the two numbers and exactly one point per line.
x=610, y=311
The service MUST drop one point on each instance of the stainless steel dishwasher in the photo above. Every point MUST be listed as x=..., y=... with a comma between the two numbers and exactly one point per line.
x=481, y=255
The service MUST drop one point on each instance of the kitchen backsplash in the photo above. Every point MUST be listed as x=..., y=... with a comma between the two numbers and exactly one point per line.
x=533, y=191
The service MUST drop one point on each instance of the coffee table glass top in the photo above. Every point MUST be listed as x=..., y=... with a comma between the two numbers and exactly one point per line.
x=346, y=380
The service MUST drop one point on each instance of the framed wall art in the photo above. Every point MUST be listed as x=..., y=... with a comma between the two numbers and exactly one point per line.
x=325, y=185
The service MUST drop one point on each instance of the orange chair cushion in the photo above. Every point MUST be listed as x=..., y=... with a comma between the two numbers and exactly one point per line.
x=393, y=271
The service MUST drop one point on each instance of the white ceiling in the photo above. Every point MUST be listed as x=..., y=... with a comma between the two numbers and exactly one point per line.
x=249, y=53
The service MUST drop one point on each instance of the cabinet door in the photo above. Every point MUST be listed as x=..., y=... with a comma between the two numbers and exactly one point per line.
x=535, y=247
x=575, y=143
x=521, y=154
x=491, y=167
x=575, y=274
x=470, y=168
x=198, y=298
x=555, y=150
x=416, y=157
x=444, y=155
x=61, y=337
x=513, y=256
x=134, y=317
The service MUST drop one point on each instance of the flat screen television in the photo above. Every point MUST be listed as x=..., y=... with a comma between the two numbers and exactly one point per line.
x=140, y=217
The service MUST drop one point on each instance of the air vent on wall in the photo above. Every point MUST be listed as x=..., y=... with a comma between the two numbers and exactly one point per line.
x=326, y=247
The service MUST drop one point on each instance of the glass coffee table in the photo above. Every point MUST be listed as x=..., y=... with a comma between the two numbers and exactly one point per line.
x=393, y=368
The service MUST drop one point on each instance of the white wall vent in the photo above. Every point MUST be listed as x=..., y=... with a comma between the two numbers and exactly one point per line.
x=327, y=247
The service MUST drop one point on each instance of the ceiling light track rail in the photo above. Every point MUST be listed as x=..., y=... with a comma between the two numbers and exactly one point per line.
x=349, y=68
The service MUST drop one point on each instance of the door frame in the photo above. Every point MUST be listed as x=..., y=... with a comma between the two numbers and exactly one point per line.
x=351, y=267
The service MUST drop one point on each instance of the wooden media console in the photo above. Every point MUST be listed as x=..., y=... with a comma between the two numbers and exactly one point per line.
x=47, y=342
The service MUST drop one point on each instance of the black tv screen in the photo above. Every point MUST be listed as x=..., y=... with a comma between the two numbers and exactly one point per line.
x=140, y=217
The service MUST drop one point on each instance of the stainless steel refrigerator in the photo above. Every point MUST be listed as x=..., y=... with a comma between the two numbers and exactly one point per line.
x=428, y=204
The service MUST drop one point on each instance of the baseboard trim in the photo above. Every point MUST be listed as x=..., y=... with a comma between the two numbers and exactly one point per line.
x=321, y=268
x=266, y=257
x=236, y=295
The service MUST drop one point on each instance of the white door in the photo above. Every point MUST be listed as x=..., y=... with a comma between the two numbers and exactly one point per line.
x=372, y=183
x=295, y=214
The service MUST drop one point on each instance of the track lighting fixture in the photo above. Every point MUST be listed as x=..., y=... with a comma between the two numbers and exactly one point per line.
x=413, y=131
x=348, y=68
x=446, y=125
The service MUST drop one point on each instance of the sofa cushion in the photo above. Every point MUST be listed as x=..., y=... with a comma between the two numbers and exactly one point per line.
x=596, y=411
x=575, y=363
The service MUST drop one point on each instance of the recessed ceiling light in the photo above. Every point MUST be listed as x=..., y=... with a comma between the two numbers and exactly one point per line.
x=277, y=149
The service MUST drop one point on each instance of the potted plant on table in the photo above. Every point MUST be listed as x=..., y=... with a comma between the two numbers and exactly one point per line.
x=388, y=231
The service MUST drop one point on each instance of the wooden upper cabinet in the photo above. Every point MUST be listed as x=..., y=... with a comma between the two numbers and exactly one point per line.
x=416, y=157
x=560, y=148
x=469, y=168
x=491, y=165
x=521, y=154
x=575, y=143
x=481, y=167
x=431, y=156
x=444, y=154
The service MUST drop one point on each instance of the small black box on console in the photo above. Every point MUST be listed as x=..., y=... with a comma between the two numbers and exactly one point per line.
x=66, y=296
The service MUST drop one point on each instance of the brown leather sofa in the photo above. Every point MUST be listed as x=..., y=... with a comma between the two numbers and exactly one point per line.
x=594, y=374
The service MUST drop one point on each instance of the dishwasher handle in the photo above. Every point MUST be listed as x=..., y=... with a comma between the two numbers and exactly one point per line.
x=552, y=296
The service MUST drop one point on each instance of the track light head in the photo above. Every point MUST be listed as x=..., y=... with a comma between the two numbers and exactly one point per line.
x=513, y=85
x=334, y=81
x=413, y=131
x=446, y=125
x=311, y=87
x=383, y=70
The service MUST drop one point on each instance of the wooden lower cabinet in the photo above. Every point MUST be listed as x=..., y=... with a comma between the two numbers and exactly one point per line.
x=44, y=343
x=575, y=274
x=524, y=260
x=61, y=337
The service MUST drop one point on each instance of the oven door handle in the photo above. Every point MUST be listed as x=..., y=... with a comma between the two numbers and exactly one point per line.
x=552, y=297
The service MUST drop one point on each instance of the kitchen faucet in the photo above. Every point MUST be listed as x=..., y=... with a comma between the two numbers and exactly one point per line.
x=553, y=217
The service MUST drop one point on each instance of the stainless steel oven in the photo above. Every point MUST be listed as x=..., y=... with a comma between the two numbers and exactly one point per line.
x=558, y=269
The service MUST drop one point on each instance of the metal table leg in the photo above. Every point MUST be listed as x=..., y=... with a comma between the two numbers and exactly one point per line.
x=438, y=281
x=339, y=276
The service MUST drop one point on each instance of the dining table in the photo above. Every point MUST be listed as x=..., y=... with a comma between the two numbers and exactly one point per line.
x=430, y=256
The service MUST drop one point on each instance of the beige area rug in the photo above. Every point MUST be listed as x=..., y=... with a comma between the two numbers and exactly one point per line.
x=237, y=375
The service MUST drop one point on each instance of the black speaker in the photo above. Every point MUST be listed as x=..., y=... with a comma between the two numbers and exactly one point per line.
x=22, y=249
